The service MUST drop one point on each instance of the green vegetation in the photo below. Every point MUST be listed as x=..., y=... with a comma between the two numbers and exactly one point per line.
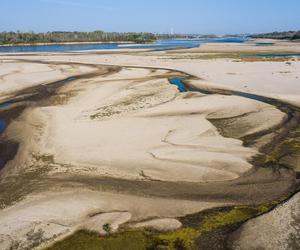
x=207, y=222
x=289, y=35
x=194, y=226
x=107, y=228
x=95, y=36
x=285, y=153
x=246, y=56
x=60, y=37
x=15, y=187
x=83, y=240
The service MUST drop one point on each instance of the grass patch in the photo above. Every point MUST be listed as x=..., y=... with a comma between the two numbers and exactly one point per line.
x=285, y=153
x=245, y=56
x=215, y=219
x=83, y=240
x=194, y=226
x=15, y=187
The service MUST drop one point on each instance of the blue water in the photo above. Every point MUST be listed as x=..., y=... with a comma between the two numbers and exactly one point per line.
x=71, y=78
x=253, y=96
x=159, y=45
x=277, y=55
x=178, y=82
x=229, y=40
x=57, y=47
x=264, y=44
x=2, y=126
x=5, y=105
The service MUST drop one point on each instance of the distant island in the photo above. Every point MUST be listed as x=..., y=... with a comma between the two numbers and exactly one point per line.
x=288, y=35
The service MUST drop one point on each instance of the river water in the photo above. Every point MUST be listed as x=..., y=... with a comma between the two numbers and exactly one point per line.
x=159, y=45
x=2, y=126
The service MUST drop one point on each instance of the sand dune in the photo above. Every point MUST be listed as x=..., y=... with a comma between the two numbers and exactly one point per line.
x=16, y=75
x=146, y=128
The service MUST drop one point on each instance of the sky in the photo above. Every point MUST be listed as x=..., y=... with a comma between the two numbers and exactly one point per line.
x=158, y=16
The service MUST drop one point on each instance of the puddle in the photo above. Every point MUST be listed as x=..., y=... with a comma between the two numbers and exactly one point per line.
x=5, y=105
x=178, y=82
x=2, y=126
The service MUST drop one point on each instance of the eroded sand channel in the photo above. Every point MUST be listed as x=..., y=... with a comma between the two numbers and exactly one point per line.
x=125, y=146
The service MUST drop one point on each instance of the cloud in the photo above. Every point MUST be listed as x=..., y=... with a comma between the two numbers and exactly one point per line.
x=76, y=4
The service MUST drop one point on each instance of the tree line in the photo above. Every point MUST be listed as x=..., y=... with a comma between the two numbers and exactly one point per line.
x=61, y=37
x=289, y=35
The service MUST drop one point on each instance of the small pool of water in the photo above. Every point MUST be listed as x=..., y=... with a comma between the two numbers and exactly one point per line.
x=264, y=44
x=72, y=78
x=277, y=55
x=69, y=79
x=5, y=105
x=2, y=126
x=178, y=82
x=253, y=97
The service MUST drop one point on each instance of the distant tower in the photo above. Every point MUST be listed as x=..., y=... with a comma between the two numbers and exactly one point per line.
x=172, y=31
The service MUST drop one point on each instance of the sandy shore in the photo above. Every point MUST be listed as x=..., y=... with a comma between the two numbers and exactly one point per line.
x=123, y=146
x=274, y=78
x=18, y=75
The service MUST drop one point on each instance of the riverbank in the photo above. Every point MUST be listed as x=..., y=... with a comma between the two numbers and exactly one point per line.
x=276, y=78
x=64, y=43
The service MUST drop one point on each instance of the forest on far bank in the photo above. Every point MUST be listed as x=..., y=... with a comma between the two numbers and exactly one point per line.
x=289, y=35
x=62, y=37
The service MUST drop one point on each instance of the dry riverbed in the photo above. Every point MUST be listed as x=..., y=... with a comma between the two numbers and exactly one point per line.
x=117, y=148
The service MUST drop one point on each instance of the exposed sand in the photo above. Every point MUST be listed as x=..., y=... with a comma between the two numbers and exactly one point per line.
x=278, y=230
x=18, y=75
x=47, y=216
x=159, y=224
x=140, y=128
x=276, y=79
x=132, y=125
x=248, y=46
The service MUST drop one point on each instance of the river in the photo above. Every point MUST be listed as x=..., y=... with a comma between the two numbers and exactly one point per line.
x=158, y=45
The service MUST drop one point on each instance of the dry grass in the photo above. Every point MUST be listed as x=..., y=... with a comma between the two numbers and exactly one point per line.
x=245, y=56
